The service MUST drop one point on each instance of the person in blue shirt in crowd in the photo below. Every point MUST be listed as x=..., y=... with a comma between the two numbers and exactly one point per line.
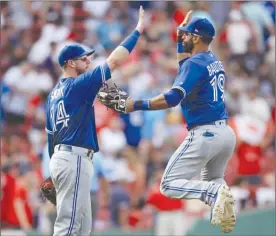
x=99, y=180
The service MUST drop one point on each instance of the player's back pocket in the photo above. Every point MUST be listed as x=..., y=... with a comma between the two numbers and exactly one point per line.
x=208, y=134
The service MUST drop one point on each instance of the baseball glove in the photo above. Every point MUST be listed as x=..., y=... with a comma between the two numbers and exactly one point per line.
x=48, y=190
x=113, y=98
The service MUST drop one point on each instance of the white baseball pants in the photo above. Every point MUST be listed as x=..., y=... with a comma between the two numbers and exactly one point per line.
x=206, y=149
x=72, y=173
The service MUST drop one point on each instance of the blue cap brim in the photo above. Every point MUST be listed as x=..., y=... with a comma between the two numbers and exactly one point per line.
x=88, y=53
x=183, y=28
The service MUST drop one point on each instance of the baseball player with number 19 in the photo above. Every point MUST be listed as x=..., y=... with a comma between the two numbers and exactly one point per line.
x=71, y=130
x=199, y=87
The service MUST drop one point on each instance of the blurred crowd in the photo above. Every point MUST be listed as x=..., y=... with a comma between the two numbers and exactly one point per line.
x=134, y=148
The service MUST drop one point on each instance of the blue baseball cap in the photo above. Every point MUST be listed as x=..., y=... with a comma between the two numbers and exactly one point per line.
x=70, y=52
x=199, y=26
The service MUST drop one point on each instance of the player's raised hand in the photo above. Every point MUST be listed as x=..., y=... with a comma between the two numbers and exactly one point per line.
x=185, y=21
x=140, y=24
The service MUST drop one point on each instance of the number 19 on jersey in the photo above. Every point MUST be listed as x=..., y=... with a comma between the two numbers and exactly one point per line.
x=218, y=84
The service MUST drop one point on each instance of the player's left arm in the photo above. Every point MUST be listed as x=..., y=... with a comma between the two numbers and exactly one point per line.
x=186, y=80
x=160, y=102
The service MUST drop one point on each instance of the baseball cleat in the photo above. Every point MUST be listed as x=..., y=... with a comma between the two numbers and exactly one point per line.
x=224, y=198
x=229, y=220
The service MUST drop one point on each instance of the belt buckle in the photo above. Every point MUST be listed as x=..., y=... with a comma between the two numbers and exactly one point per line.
x=64, y=147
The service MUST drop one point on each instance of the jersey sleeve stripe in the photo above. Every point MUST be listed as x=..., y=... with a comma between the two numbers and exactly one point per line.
x=181, y=89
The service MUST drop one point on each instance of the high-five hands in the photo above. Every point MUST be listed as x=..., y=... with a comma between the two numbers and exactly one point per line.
x=140, y=25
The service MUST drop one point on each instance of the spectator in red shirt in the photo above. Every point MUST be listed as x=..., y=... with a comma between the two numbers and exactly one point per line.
x=170, y=218
x=20, y=214
x=254, y=132
x=103, y=116
x=7, y=194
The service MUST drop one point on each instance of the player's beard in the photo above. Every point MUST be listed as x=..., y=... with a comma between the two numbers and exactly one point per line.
x=188, y=46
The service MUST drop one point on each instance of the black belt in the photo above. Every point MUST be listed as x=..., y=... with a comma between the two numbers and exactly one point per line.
x=210, y=123
x=88, y=153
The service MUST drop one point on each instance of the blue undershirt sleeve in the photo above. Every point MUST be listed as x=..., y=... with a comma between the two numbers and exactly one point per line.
x=130, y=42
x=173, y=97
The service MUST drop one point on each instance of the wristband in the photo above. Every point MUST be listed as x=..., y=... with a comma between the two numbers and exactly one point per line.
x=141, y=105
x=179, y=38
x=130, y=42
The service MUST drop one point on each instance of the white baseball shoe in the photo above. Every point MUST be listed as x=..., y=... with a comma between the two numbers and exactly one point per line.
x=223, y=206
x=229, y=219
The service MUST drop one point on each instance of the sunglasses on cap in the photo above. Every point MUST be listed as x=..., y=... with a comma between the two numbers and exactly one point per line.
x=191, y=34
x=82, y=58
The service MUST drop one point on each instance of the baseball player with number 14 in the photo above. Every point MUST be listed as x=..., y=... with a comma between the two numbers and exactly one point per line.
x=71, y=130
x=199, y=88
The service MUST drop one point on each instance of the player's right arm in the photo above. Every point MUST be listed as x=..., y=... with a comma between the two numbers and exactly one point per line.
x=121, y=53
x=49, y=130
x=88, y=84
x=50, y=139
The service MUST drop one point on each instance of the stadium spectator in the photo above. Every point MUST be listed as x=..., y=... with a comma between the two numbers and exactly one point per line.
x=170, y=216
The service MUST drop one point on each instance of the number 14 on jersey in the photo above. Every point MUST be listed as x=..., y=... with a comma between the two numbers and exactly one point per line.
x=62, y=116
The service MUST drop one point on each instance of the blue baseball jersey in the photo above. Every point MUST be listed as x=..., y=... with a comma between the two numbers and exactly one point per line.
x=70, y=117
x=201, y=79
